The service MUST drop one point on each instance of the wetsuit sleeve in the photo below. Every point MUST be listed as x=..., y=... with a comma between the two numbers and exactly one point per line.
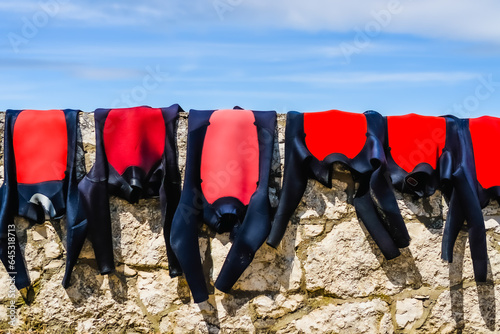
x=189, y=215
x=170, y=192
x=257, y=223
x=454, y=223
x=464, y=204
x=10, y=252
x=375, y=201
x=75, y=216
x=294, y=177
x=383, y=196
x=250, y=237
x=368, y=213
x=95, y=200
x=377, y=208
x=184, y=243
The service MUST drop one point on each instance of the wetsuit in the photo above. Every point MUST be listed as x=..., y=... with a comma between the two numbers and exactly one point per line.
x=229, y=155
x=43, y=162
x=136, y=157
x=313, y=143
x=426, y=153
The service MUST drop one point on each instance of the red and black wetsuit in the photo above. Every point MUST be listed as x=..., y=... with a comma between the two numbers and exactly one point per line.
x=313, y=142
x=426, y=153
x=43, y=162
x=229, y=155
x=136, y=157
x=477, y=182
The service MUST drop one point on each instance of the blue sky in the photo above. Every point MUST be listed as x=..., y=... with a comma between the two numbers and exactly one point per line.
x=430, y=57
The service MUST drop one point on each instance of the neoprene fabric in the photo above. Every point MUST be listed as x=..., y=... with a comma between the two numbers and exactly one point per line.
x=227, y=173
x=43, y=161
x=313, y=143
x=229, y=155
x=485, y=132
x=136, y=157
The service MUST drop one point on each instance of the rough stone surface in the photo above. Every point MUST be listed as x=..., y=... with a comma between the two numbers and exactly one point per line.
x=359, y=318
x=327, y=275
x=408, y=311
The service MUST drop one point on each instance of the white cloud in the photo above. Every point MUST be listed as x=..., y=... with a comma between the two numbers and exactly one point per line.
x=18, y=6
x=475, y=20
x=375, y=77
x=108, y=13
x=335, y=78
x=92, y=73
x=466, y=19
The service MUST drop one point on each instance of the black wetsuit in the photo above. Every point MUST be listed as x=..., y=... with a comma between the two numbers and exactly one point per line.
x=313, y=142
x=136, y=157
x=229, y=155
x=43, y=162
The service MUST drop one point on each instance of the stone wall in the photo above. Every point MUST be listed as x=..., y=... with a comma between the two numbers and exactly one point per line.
x=326, y=277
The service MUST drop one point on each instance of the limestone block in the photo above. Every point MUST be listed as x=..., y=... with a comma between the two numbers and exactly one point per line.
x=344, y=265
x=353, y=318
x=277, y=307
x=408, y=311
x=157, y=291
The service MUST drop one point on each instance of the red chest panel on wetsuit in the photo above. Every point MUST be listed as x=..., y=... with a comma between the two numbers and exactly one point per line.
x=335, y=131
x=134, y=137
x=416, y=139
x=230, y=156
x=485, y=133
x=40, y=143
